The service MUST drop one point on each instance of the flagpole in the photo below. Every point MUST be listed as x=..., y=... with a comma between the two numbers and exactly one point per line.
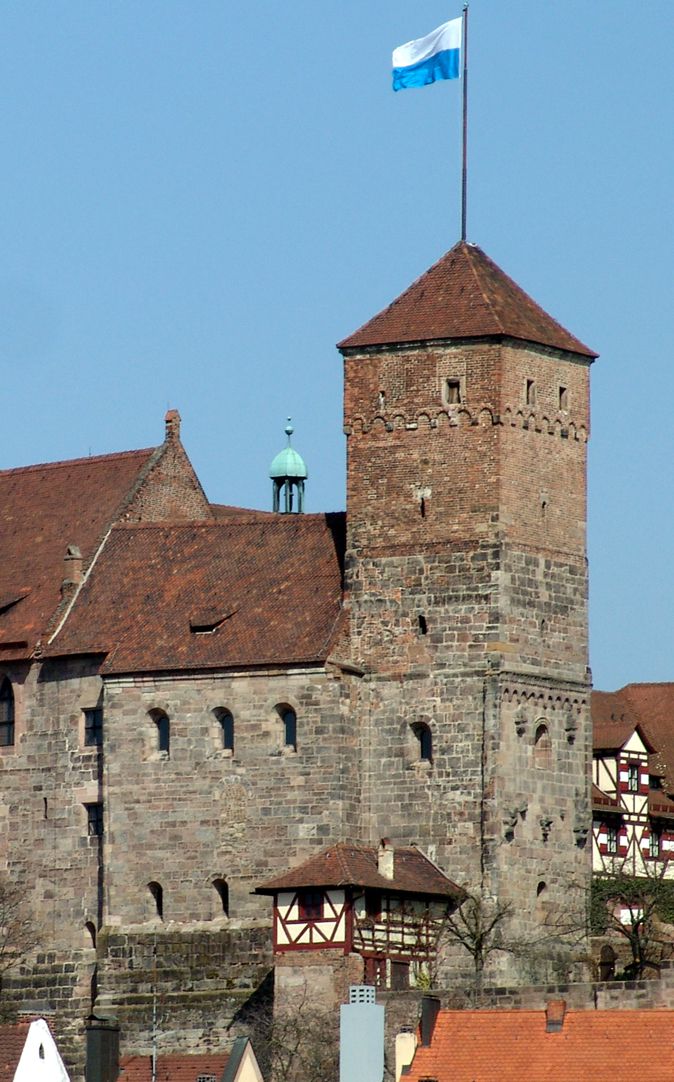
x=464, y=168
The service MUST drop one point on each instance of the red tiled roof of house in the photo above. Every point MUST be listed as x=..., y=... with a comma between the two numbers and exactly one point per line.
x=175, y=1068
x=12, y=1041
x=514, y=1046
x=250, y=592
x=347, y=865
x=603, y=801
x=464, y=295
x=229, y=513
x=651, y=707
x=43, y=509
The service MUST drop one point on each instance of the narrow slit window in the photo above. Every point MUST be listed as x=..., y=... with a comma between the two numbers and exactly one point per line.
x=93, y=727
x=530, y=393
x=222, y=891
x=289, y=720
x=6, y=714
x=94, y=820
x=226, y=723
x=452, y=392
x=563, y=398
x=157, y=894
x=423, y=625
x=542, y=748
x=424, y=740
x=162, y=731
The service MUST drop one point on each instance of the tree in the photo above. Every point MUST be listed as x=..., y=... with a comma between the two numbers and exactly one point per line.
x=18, y=936
x=476, y=926
x=480, y=927
x=639, y=909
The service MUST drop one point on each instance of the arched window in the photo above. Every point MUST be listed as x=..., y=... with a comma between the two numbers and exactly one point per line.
x=289, y=719
x=425, y=740
x=6, y=714
x=157, y=892
x=542, y=748
x=222, y=891
x=226, y=725
x=163, y=730
x=90, y=928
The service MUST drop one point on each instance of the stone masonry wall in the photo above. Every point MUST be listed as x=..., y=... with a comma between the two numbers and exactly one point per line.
x=199, y=814
x=466, y=579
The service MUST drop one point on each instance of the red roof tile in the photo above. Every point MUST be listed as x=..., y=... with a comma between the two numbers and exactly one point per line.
x=43, y=509
x=513, y=1046
x=12, y=1041
x=176, y=1068
x=602, y=801
x=651, y=707
x=227, y=594
x=345, y=865
x=464, y=295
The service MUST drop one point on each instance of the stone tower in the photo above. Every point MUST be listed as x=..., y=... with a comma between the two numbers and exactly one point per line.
x=467, y=417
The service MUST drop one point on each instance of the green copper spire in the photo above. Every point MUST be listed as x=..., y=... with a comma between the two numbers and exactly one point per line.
x=288, y=472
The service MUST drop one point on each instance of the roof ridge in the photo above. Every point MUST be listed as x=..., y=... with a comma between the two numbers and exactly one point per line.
x=470, y=250
x=76, y=461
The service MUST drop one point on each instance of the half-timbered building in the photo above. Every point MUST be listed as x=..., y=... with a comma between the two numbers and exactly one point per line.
x=387, y=905
x=632, y=801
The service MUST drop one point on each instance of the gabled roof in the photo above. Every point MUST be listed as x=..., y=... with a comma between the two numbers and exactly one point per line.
x=43, y=509
x=12, y=1041
x=648, y=706
x=514, y=1046
x=234, y=593
x=346, y=865
x=464, y=295
x=176, y=1068
x=28, y=1053
x=239, y=1064
x=603, y=802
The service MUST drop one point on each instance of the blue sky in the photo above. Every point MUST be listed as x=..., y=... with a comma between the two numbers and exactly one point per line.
x=200, y=198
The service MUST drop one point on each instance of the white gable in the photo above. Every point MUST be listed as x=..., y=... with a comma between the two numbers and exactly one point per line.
x=635, y=744
x=40, y=1060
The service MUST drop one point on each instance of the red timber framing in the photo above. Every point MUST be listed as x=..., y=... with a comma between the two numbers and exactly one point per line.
x=302, y=922
x=633, y=820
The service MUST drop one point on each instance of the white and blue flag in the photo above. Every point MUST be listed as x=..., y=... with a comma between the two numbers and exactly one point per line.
x=437, y=56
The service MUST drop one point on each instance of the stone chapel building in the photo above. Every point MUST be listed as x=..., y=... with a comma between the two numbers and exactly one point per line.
x=195, y=699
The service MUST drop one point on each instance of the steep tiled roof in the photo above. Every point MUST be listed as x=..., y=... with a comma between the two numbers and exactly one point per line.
x=175, y=1068
x=464, y=295
x=513, y=1046
x=603, y=801
x=225, y=594
x=651, y=707
x=345, y=865
x=43, y=509
x=12, y=1041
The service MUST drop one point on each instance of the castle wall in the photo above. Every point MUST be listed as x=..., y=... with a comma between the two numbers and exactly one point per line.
x=466, y=579
x=199, y=813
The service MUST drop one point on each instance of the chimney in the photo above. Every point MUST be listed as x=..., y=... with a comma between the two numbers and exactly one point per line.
x=102, y=1058
x=172, y=422
x=385, y=859
x=72, y=571
x=555, y=1010
x=405, y=1047
x=430, y=1007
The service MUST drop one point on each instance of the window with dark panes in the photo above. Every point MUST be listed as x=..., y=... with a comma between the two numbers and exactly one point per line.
x=310, y=905
x=93, y=727
x=6, y=714
x=94, y=820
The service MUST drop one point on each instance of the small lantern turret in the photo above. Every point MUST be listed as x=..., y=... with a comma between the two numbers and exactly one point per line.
x=288, y=472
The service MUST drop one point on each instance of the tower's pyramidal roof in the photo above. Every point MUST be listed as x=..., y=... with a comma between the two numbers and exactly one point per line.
x=464, y=295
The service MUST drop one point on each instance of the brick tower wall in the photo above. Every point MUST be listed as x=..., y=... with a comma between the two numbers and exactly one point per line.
x=471, y=516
